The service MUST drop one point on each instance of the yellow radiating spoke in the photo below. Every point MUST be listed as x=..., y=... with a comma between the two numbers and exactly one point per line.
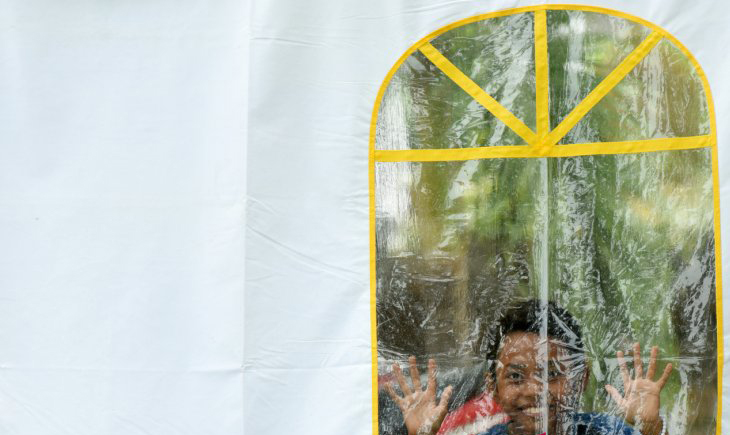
x=520, y=151
x=478, y=93
x=602, y=89
x=542, y=107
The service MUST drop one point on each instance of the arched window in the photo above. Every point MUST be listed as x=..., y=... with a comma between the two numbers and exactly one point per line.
x=550, y=153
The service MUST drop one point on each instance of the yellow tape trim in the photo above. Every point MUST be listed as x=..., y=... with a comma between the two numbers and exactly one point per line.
x=536, y=153
x=542, y=97
x=718, y=284
x=522, y=151
x=476, y=92
x=603, y=88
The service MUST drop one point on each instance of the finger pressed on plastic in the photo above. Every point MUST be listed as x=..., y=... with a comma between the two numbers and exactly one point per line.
x=615, y=395
x=445, y=396
x=415, y=376
x=431, y=376
x=624, y=369
x=393, y=395
x=665, y=376
x=652, y=363
x=401, y=380
x=638, y=369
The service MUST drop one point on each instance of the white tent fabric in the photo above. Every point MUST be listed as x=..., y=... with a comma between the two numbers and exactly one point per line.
x=123, y=187
x=184, y=245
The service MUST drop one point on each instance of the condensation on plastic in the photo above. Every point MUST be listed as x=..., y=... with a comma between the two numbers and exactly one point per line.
x=424, y=109
x=624, y=242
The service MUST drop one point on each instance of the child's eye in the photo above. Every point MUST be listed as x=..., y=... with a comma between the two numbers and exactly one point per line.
x=514, y=376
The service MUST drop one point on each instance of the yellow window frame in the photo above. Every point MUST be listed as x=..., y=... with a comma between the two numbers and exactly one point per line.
x=542, y=143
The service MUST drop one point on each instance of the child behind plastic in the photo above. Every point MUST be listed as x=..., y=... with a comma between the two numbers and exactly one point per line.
x=538, y=383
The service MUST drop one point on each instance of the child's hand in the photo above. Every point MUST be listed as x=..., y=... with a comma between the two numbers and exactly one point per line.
x=421, y=413
x=640, y=402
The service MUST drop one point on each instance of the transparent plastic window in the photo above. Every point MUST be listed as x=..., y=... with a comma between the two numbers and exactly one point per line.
x=621, y=247
x=567, y=295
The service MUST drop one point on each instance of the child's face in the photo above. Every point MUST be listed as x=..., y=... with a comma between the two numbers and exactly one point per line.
x=534, y=382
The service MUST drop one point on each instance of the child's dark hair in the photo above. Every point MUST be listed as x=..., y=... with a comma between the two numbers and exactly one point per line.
x=532, y=316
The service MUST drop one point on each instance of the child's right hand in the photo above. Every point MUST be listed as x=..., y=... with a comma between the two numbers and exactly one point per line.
x=421, y=414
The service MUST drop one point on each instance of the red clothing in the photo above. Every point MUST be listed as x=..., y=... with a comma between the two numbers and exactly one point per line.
x=475, y=416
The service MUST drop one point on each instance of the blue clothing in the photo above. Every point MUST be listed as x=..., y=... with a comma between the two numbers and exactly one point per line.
x=585, y=424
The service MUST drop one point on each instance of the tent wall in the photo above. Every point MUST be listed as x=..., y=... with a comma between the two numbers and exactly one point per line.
x=184, y=245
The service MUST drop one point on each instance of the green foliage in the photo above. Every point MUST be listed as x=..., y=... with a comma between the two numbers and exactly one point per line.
x=625, y=242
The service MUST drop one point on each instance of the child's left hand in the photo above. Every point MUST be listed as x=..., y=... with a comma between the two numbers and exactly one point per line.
x=640, y=402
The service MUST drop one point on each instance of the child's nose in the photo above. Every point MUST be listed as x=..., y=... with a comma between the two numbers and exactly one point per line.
x=534, y=385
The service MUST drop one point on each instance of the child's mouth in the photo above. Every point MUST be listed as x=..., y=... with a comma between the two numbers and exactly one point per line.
x=533, y=412
x=536, y=411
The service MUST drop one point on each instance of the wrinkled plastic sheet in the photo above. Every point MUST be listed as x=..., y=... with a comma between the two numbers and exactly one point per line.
x=185, y=230
x=624, y=242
